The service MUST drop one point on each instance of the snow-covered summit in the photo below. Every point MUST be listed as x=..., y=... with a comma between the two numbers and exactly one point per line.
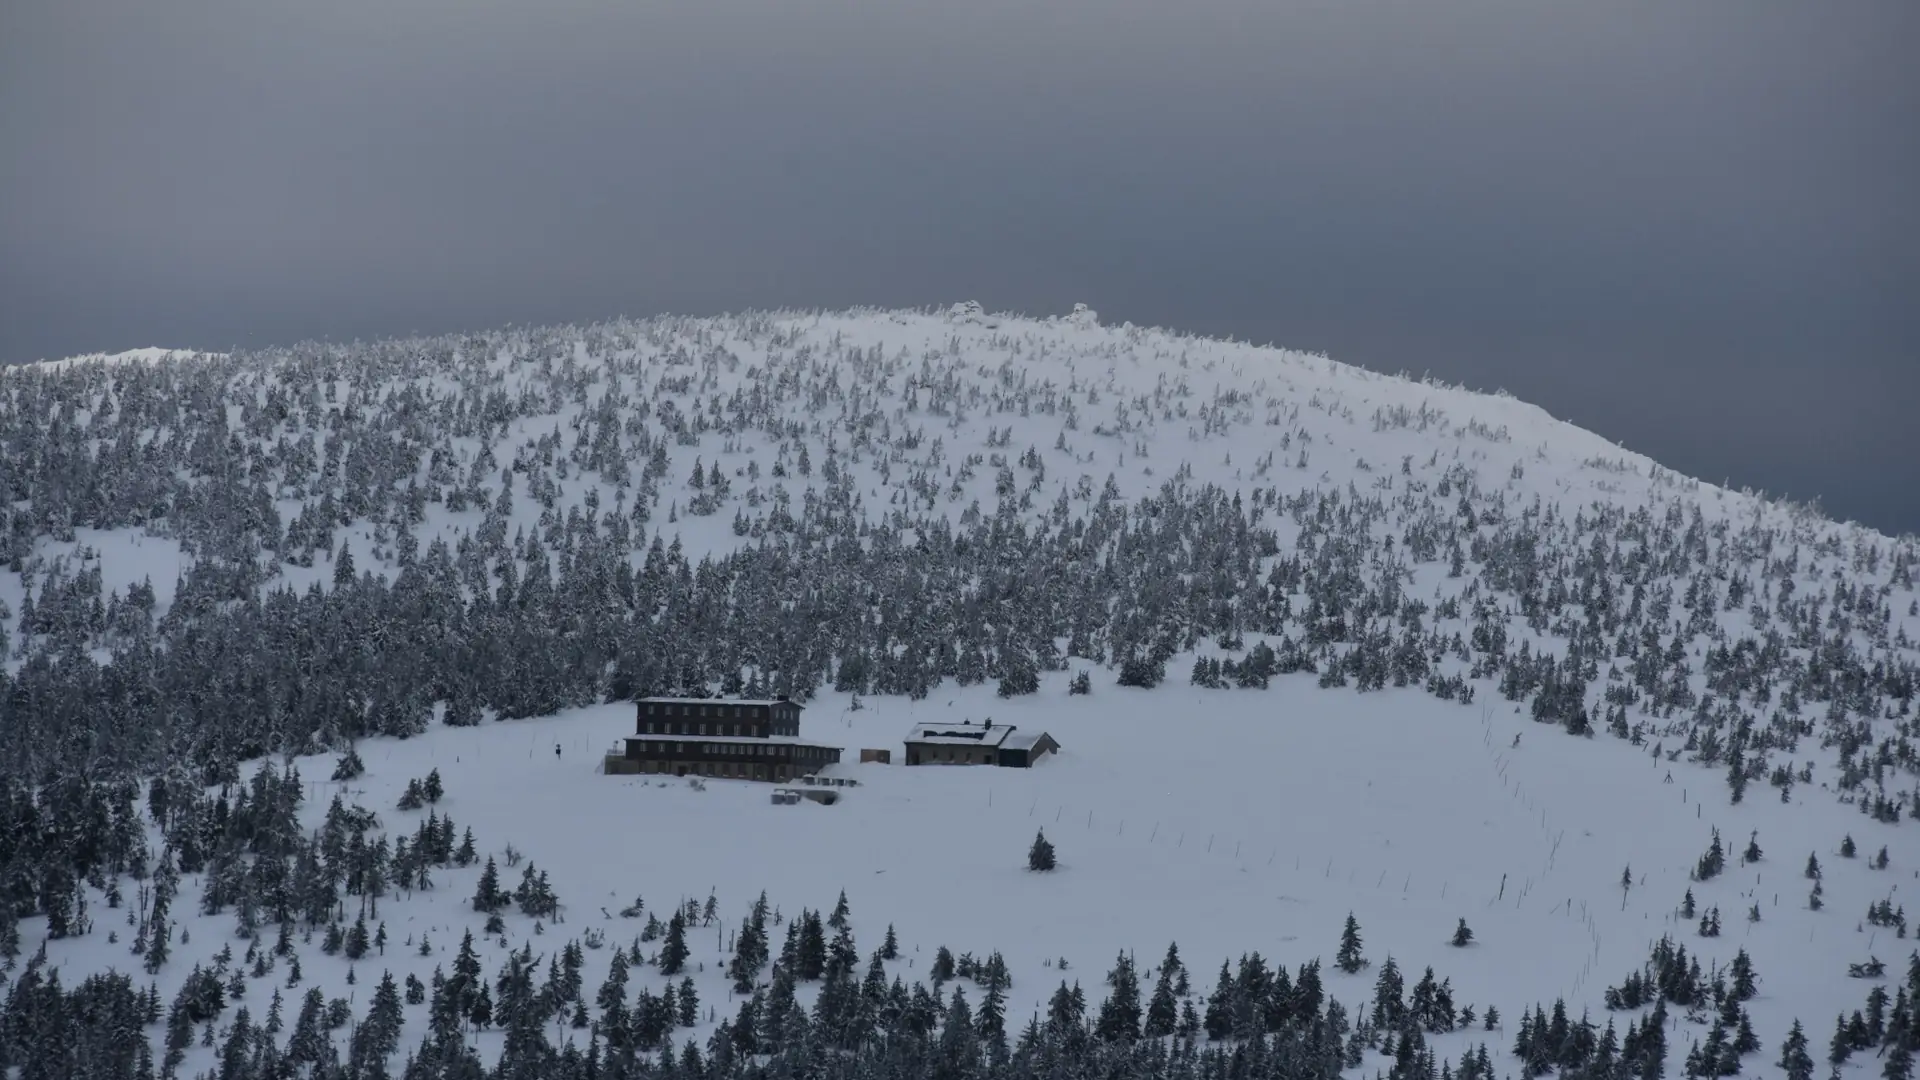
x=147, y=355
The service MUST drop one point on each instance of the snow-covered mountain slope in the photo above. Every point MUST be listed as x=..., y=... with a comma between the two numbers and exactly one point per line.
x=148, y=355
x=1355, y=644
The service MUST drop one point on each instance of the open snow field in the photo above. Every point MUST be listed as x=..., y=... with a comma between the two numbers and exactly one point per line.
x=1225, y=820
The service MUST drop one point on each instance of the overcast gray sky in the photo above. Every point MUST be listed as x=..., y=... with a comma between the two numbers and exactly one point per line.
x=1691, y=227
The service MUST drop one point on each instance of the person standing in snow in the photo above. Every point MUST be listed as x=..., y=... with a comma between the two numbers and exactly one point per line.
x=556, y=751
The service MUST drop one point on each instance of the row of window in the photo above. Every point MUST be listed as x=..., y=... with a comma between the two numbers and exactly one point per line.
x=684, y=727
x=779, y=711
x=768, y=750
x=730, y=769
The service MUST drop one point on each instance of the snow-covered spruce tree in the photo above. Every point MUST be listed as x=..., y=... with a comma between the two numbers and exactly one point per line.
x=1020, y=678
x=1349, y=959
x=488, y=897
x=1119, y=1017
x=1899, y=1062
x=674, y=951
x=349, y=766
x=1144, y=672
x=1712, y=862
x=1040, y=857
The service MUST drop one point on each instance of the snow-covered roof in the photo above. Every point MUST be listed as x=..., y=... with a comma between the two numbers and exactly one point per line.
x=718, y=701
x=983, y=734
x=1023, y=740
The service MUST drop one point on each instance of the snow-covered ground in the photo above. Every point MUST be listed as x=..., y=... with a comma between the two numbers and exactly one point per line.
x=1246, y=825
x=1223, y=820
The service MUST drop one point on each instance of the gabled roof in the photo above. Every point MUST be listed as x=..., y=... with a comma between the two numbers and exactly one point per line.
x=985, y=734
x=1027, y=740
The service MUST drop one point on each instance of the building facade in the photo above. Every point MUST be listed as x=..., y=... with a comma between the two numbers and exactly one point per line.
x=985, y=743
x=743, y=740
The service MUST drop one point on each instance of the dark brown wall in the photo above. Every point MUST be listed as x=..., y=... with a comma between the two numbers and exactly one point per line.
x=947, y=754
x=721, y=718
x=695, y=760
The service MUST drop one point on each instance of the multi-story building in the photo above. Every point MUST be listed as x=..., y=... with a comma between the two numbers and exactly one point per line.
x=745, y=740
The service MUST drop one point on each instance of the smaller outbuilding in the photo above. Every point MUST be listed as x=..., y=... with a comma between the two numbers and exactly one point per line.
x=1022, y=748
x=985, y=743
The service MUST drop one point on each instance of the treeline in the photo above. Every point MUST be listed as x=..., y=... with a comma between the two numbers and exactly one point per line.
x=1260, y=1022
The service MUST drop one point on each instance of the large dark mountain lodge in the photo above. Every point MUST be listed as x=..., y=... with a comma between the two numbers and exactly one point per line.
x=742, y=740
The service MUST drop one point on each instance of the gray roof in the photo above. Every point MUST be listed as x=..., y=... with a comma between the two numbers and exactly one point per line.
x=950, y=734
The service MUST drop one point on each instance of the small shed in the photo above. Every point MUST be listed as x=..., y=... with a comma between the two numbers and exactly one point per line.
x=878, y=757
x=1022, y=748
